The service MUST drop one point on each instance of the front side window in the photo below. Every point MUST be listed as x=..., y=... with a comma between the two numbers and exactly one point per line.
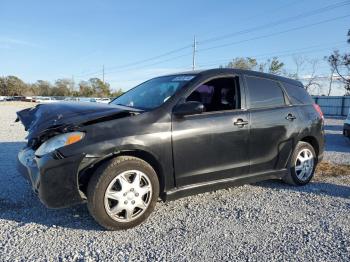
x=153, y=93
x=218, y=94
x=264, y=93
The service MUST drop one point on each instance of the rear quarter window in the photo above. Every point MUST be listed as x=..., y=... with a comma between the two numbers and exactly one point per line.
x=297, y=94
x=264, y=93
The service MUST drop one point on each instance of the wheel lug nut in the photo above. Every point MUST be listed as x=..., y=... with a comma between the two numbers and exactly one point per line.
x=124, y=194
x=131, y=189
x=137, y=194
x=125, y=202
x=133, y=202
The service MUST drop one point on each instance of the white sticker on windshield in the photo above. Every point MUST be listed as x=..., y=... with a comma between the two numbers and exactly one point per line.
x=183, y=78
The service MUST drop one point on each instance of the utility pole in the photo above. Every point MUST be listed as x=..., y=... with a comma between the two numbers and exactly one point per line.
x=194, y=53
x=103, y=73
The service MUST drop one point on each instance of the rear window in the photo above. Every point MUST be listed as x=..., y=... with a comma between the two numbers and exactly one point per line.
x=297, y=94
x=264, y=93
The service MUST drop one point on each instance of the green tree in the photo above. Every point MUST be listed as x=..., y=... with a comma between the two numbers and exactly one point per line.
x=85, y=89
x=247, y=63
x=272, y=66
x=100, y=88
x=12, y=86
x=61, y=87
x=42, y=88
x=3, y=87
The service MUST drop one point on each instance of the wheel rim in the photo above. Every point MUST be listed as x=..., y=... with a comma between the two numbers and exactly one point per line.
x=128, y=196
x=304, y=164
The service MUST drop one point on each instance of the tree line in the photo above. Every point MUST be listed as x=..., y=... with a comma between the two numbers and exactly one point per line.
x=94, y=87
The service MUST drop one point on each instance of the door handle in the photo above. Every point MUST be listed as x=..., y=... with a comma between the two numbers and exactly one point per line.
x=240, y=122
x=290, y=117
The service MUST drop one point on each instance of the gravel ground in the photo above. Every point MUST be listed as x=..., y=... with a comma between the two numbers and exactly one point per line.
x=266, y=221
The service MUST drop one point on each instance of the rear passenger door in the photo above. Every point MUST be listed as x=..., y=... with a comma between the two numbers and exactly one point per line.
x=273, y=124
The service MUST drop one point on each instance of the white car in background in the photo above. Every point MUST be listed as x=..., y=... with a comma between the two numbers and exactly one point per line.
x=346, y=127
x=3, y=98
x=103, y=100
x=45, y=99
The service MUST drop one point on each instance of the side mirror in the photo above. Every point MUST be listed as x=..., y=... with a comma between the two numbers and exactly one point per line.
x=188, y=108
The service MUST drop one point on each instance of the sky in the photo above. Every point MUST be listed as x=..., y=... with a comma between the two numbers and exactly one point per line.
x=138, y=40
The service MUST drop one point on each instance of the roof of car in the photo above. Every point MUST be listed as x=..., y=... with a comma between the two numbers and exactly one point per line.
x=240, y=71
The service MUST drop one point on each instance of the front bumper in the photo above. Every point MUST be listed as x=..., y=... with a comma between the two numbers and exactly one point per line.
x=346, y=130
x=54, y=179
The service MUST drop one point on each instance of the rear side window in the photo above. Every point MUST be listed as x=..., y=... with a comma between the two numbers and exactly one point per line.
x=264, y=93
x=297, y=94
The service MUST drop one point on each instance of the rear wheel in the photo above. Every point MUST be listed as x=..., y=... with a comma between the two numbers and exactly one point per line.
x=302, y=166
x=122, y=193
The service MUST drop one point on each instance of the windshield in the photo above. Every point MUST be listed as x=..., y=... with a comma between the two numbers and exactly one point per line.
x=153, y=93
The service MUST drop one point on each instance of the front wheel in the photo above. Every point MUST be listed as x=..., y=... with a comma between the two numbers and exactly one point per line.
x=122, y=193
x=302, y=166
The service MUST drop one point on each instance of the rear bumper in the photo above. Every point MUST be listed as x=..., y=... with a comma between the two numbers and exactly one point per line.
x=346, y=130
x=54, y=179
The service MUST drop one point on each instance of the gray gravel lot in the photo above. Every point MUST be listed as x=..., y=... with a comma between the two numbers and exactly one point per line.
x=262, y=222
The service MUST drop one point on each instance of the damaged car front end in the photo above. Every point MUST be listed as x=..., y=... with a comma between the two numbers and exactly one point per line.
x=59, y=147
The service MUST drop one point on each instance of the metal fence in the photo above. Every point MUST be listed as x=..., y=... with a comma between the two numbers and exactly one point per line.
x=333, y=105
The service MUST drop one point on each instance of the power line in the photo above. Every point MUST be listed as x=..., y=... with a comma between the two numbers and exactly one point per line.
x=167, y=53
x=278, y=56
x=278, y=22
x=281, y=53
x=194, y=51
x=142, y=61
x=140, y=67
x=273, y=34
x=156, y=63
x=224, y=45
x=187, y=54
x=263, y=13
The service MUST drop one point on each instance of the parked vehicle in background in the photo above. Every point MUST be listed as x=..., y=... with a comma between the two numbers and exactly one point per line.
x=18, y=98
x=346, y=127
x=29, y=99
x=169, y=137
x=103, y=100
x=80, y=99
x=3, y=98
x=71, y=99
x=45, y=99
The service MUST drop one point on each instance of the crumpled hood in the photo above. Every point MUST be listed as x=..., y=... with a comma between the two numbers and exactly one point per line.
x=49, y=116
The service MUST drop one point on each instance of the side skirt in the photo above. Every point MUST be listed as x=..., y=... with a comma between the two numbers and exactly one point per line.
x=194, y=189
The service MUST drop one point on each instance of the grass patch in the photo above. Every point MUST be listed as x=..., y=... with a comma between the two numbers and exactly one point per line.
x=330, y=169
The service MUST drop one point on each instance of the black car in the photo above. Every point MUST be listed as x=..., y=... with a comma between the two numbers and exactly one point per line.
x=169, y=137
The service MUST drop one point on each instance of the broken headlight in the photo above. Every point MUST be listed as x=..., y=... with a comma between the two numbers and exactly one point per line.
x=58, y=142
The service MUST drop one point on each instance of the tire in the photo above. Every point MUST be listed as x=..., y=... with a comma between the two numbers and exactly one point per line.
x=295, y=175
x=122, y=193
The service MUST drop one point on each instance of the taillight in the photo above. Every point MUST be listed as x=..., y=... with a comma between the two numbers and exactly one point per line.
x=319, y=111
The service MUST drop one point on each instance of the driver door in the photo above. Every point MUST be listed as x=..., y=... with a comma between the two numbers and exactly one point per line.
x=212, y=145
